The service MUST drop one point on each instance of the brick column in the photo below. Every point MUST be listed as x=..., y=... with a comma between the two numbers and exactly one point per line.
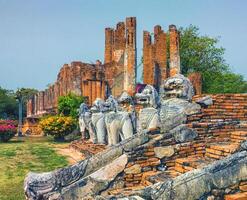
x=36, y=104
x=154, y=57
x=57, y=93
x=109, y=40
x=160, y=54
x=29, y=107
x=42, y=101
x=119, y=37
x=147, y=59
x=196, y=80
x=130, y=54
x=174, y=51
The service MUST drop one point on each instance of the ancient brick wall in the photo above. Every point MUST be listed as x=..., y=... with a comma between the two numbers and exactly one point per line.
x=93, y=89
x=221, y=128
x=40, y=105
x=154, y=57
x=196, y=80
x=120, y=57
x=70, y=79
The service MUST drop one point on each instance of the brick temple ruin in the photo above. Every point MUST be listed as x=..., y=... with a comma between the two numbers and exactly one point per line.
x=155, y=165
x=197, y=153
x=118, y=73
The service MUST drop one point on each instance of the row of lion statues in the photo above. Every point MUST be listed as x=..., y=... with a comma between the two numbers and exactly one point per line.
x=117, y=119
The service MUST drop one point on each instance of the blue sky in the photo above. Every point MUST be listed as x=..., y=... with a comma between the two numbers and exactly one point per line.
x=38, y=37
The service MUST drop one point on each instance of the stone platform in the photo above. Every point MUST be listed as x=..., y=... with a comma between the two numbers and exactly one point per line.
x=87, y=148
x=157, y=166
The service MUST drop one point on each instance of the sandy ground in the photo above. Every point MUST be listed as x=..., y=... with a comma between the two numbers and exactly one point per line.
x=71, y=155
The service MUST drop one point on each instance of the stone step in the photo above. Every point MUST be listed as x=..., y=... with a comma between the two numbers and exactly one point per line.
x=220, y=150
x=87, y=147
x=238, y=136
x=183, y=165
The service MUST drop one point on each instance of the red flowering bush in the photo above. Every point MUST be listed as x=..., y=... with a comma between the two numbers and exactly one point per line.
x=8, y=129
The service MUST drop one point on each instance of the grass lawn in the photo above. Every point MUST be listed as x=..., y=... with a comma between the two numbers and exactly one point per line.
x=19, y=156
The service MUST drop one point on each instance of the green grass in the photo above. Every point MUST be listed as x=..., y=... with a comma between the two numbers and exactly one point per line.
x=19, y=156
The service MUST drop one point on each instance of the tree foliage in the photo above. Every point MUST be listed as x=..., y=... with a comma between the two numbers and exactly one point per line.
x=9, y=101
x=25, y=93
x=8, y=104
x=202, y=54
x=226, y=82
x=68, y=105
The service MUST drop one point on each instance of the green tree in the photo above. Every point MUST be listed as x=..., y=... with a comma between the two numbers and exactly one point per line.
x=8, y=104
x=68, y=105
x=203, y=54
x=226, y=82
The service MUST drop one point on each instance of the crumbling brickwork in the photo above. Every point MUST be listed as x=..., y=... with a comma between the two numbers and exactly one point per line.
x=93, y=89
x=109, y=41
x=130, y=69
x=78, y=78
x=154, y=57
x=196, y=80
x=219, y=135
x=118, y=73
x=155, y=54
x=120, y=57
x=174, y=51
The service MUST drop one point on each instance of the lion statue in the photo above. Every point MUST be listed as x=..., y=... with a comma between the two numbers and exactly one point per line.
x=176, y=94
x=98, y=121
x=118, y=122
x=85, y=122
x=177, y=86
x=126, y=103
x=148, y=118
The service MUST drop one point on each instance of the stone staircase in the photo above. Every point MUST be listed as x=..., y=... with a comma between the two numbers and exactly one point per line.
x=183, y=165
x=213, y=152
x=87, y=148
x=221, y=128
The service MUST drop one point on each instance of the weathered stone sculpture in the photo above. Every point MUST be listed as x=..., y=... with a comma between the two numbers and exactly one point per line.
x=85, y=122
x=176, y=95
x=95, y=175
x=126, y=103
x=37, y=185
x=177, y=86
x=149, y=115
x=98, y=122
x=82, y=179
x=118, y=123
x=105, y=122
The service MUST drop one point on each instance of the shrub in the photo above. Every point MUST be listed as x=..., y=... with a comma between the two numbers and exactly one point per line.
x=8, y=129
x=68, y=105
x=57, y=126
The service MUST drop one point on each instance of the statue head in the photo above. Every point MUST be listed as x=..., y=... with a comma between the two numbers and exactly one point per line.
x=148, y=97
x=177, y=86
x=125, y=98
x=83, y=109
x=111, y=104
x=98, y=105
